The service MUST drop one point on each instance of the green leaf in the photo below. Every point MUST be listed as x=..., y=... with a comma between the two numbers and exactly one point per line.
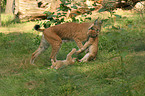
x=67, y=3
x=45, y=12
x=113, y=27
x=105, y=20
x=83, y=15
x=78, y=3
x=58, y=13
x=88, y=18
x=102, y=10
x=64, y=13
x=75, y=7
x=53, y=15
x=74, y=14
x=81, y=20
x=73, y=19
x=94, y=4
x=118, y=16
x=48, y=13
x=78, y=12
x=62, y=20
x=92, y=9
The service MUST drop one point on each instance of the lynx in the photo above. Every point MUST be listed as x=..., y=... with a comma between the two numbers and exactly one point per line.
x=54, y=35
x=69, y=61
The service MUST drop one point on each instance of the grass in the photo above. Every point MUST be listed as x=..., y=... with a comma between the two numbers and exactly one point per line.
x=10, y=24
x=117, y=71
x=7, y=19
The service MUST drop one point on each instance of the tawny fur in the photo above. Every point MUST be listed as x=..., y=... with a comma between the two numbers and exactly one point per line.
x=92, y=43
x=69, y=61
x=54, y=35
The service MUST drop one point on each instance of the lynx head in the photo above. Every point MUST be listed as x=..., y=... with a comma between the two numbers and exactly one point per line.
x=94, y=29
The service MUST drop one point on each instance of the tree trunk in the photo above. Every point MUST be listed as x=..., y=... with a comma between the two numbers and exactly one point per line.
x=0, y=13
x=9, y=7
x=54, y=5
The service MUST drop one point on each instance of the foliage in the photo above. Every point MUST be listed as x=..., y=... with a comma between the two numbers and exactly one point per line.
x=59, y=16
x=3, y=4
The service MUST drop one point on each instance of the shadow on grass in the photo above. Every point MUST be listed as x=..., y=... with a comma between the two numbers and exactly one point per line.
x=140, y=46
x=100, y=77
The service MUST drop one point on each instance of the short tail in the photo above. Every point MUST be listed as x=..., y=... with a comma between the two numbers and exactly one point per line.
x=37, y=27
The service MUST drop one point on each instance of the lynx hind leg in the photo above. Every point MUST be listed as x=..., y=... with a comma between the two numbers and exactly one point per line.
x=42, y=47
x=85, y=58
x=78, y=42
x=55, y=42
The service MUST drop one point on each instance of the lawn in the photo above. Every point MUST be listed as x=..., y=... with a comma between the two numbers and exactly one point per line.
x=119, y=69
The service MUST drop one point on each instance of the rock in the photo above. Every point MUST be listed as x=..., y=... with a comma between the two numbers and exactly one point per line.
x=140, y=5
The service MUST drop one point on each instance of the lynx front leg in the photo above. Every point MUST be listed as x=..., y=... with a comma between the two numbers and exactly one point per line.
x=79, y=43
x=87, y=44
x=88, y=57
x=85, y=58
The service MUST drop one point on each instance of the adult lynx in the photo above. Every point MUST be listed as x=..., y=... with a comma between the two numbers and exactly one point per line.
x=54, y=35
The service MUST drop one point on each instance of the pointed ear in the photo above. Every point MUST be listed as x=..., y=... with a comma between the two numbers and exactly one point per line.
x=98, y=22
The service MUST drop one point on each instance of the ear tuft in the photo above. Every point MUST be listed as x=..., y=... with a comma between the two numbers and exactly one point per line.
x=97, y=21
x=101, y=22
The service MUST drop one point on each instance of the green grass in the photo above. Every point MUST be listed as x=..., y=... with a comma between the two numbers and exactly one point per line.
x=117, y=71
x=7, y=19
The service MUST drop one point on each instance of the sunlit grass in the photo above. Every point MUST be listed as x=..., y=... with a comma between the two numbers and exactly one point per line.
x=7, y=19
